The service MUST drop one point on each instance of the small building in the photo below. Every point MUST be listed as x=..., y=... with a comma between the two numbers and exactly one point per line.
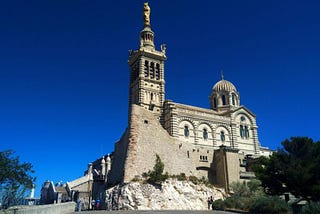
x=86, y=189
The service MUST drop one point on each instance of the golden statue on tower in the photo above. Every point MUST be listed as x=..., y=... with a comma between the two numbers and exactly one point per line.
x=146, y=14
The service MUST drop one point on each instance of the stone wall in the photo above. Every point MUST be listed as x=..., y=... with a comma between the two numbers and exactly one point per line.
x=118, y=160
x=146, y=139
x=61, y=208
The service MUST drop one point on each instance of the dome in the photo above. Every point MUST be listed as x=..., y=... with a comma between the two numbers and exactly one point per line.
x=224, y=85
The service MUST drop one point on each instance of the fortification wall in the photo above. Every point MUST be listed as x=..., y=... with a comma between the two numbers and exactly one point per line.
x=118, y=160
x=147, y=138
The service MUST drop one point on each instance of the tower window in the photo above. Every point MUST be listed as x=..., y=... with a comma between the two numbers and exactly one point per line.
x=152, y=70
x=157, y=71
x=146, y=68
x=223, y=100
x=134, y=71
x=214, y=102
x=186, y=131
x=205, y=134
x=222, y=136
x=233, y=99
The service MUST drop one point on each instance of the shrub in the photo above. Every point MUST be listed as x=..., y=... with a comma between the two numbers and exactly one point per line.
x=156, y=176
x=135, y=179
x=311, y=208
x=194, y=179
x=238, y=202
x=269, y=205
x=181, y=177
x=218, y=205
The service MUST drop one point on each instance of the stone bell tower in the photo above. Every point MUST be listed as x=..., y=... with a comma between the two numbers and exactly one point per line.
x=147, y=85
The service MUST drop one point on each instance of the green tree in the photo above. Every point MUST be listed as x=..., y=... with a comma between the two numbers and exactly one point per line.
x=15, y=178
x=156, y=176
x=294, y=168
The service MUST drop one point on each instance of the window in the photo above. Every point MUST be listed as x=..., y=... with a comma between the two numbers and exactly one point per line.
x=233, y=99
x=186, y=131
x=146, y=68
x=157, y=71
x=246, y=132
x=242, y=118
x=222, y=136
x=214, y=102
x=205, y=134
x=203, y=158
x=241, y=131
x=223, y=100
x=152, y=70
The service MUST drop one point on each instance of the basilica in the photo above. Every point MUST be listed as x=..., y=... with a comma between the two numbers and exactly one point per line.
x=212, y=143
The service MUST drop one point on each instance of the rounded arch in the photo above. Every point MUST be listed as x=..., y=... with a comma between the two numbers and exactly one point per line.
x=223, y=135
x=245, y=115
x=186, y=130
x=202, y=124
x=188, y=120
x=235, y=100
x=204, y=133
x=245, y=123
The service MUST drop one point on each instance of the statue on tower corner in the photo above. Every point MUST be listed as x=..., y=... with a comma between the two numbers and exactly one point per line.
x=146, y=14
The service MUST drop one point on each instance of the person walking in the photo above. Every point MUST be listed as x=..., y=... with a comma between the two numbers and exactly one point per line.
x=210, y=201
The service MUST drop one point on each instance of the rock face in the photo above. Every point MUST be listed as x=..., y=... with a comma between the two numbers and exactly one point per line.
x=171, y=195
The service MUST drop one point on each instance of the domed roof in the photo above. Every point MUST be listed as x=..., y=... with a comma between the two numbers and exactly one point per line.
x=224, y=85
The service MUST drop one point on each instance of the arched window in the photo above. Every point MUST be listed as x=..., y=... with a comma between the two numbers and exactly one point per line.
x=241, y=131
x=222, y=136
x=205, y=134
x=214, y=102
x=186, y=131
x=152, y=70
x=151, y=96
x=146, y=68
x=233, y=99
x=246, y=132
x=223, y=100
x=157, y=71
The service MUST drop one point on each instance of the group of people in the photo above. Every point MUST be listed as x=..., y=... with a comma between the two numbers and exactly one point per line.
x=95, y=204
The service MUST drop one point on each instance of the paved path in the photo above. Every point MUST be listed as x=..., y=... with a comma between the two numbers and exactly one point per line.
x=156, y=212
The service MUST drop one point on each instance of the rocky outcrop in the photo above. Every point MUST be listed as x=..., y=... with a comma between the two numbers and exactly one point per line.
x=171, y=195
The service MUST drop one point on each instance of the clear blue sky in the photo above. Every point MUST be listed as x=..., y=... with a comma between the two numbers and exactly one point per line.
x=64, y=74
